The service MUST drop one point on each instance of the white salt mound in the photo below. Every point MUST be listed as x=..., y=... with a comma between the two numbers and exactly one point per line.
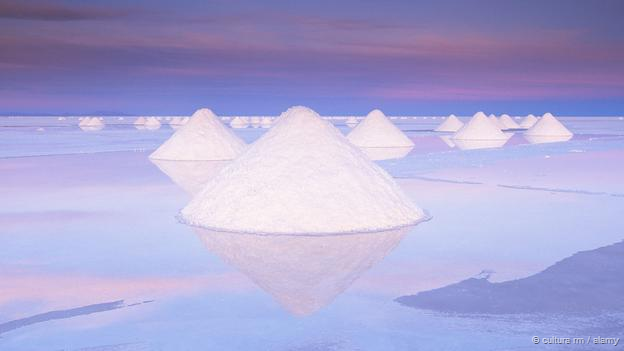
x=204, y=137
x=151, y=123
x=301, y=177
x=548, y=125
x=528, y=122
x=451, y=124
x=376, y=130
x=479, y=128
x=351, y=121
x=496, y=122
x=91, y=124
x=238, y=122
x=83, y=121
x=139, y=121
x=508, y=122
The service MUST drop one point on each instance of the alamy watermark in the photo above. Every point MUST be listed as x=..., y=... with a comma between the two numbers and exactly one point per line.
x=588, y=340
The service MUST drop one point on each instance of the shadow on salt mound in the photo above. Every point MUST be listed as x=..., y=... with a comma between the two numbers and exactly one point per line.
x=189, y=175
x=302, y=176
x=377, y=131
x=537, y=139
x=203, y=138
x=302, y=273
x=386, y=153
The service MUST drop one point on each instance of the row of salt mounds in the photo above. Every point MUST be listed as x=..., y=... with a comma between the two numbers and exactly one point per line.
x=204, y=137
x=376, y=130
x=508, y=122
x=451, y=124
x=151, y=123
x=91, y=123
x=495, y=121
x=301, y=177
x=480, y=127
x=548, y=126
x=528, y=122
x=239, y=122
x=351, y=122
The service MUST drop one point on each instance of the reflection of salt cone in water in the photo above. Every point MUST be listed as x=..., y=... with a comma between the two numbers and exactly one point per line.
x=302, y=273
x=189, y=175
x=480, y=144
x=447, y=139
x=540, y=139
x=386, y=153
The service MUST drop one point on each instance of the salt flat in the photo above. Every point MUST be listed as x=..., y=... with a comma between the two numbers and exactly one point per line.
x=88, y=219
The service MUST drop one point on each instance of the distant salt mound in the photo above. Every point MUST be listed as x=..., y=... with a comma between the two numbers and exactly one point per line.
x=451, y=124
x=480, y=127
x=508, y=122
x=204, y=137
x=91, y=124
x=548, y=126
x=61, y=118
x=266, y=122
x=528, y=122
x=301, y=177
x=376, y=130
x=151, y=123
x=239, y=122
x=175, y=122
x=496, y=122
x=139, y=123
x=351, y=122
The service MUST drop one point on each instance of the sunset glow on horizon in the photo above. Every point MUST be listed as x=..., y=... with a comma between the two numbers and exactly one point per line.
x=405, y=57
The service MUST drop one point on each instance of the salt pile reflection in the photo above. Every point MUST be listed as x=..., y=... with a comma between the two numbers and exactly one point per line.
x=189, y=175
x=302, y=273
x=386, y=153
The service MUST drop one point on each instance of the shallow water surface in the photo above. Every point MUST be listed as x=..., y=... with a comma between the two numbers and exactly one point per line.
x=92, y=256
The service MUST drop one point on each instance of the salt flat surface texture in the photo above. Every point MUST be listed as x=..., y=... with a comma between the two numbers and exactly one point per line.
x=302, y=177
x=548, y=126
x=376, y=130
x=451, y=124
x=204, y=137
x=480, y=127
